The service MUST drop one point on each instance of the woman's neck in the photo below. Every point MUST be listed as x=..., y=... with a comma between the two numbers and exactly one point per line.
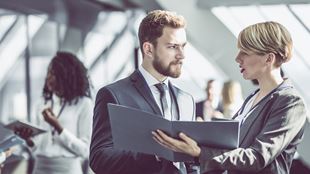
x=269, y=82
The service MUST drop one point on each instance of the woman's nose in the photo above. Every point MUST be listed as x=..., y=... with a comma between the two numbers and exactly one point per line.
x=237, y=59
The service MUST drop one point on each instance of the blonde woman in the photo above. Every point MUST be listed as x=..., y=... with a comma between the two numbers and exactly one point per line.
x=272, y=118
x=231, y=98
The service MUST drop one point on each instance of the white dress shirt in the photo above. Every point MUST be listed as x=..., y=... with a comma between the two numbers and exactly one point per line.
x=151, y=82
x=74, y=140
x=2, y=157
x=248, y=108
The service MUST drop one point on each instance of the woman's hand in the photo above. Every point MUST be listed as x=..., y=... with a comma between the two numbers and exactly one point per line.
x=185, y=145
x=8, y=152
x=25, y=133
x=51, y=119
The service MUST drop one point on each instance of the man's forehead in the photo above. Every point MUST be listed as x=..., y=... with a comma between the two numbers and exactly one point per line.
x=174, y=35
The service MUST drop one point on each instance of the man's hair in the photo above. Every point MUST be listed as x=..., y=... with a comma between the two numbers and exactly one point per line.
x=71, y=78
x=153, y=24
x=267, y=37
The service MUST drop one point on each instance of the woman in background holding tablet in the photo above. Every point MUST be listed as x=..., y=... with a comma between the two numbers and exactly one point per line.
x=271, y=119
x=66, y=113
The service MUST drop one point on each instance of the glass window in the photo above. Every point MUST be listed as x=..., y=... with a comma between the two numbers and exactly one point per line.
x=13, y=102
x=300, y=35
x=224, y=14
x=101, y=36
x=6, y=22
x=303, y=12
x=16, y=42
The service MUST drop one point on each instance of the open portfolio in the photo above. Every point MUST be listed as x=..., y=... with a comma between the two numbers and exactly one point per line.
x=132, y=130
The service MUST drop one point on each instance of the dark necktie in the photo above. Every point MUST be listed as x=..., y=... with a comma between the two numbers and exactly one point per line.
x=162, y=87
x=163, y=100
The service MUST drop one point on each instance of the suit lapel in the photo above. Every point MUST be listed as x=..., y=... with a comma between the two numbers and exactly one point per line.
x=142, y=87
x=255, y=112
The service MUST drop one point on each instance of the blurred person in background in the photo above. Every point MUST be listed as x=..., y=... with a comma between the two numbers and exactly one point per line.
x=66, y=114
x=208, y=108
x=231, y=98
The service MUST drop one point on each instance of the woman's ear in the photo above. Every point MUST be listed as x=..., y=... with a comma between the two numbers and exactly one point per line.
x=147, y=48
x=271, y=58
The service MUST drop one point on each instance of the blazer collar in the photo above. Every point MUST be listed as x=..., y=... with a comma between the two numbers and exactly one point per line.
x=258, y=108
x=143, y=88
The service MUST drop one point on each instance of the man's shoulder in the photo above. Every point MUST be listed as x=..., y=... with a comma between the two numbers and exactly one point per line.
x=117, y=85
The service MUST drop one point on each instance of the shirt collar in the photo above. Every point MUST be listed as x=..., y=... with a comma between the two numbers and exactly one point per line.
x=150, y=79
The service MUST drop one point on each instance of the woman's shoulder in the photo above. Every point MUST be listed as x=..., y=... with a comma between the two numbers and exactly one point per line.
x=85, y=101
x=289, y=96
x=288, y=92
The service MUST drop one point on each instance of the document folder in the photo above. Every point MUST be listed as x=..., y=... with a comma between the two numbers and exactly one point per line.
x=132, y=130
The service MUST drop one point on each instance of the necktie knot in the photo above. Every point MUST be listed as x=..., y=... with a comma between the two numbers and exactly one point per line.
x=162, y=88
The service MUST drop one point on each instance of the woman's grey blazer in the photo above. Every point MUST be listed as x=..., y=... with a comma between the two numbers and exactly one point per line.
x=268, y=137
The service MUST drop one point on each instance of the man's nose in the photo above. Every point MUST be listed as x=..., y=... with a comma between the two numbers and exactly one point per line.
x=180, y=54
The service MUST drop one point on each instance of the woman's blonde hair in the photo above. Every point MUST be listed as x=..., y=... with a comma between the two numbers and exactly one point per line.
x=231, y=92
x=267, y=37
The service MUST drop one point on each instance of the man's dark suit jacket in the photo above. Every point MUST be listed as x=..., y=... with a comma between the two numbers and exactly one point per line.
x=132, y=91
x=268, y=137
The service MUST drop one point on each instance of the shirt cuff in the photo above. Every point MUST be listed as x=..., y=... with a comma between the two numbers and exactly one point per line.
x=2, y=157
x=65, y=135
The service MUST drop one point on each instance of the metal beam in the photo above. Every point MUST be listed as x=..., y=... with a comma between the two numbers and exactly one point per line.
x=215, y=3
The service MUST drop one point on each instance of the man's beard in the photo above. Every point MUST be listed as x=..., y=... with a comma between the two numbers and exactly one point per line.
x=169, y=70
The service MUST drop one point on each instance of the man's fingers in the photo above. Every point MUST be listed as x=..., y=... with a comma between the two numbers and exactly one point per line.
x=159, y=142
x=187, y=139
x=167, y=138
x=162, y=140
x=199, y=119
x=157, y=137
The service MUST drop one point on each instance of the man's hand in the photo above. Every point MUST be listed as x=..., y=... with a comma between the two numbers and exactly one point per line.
x=185, y=145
